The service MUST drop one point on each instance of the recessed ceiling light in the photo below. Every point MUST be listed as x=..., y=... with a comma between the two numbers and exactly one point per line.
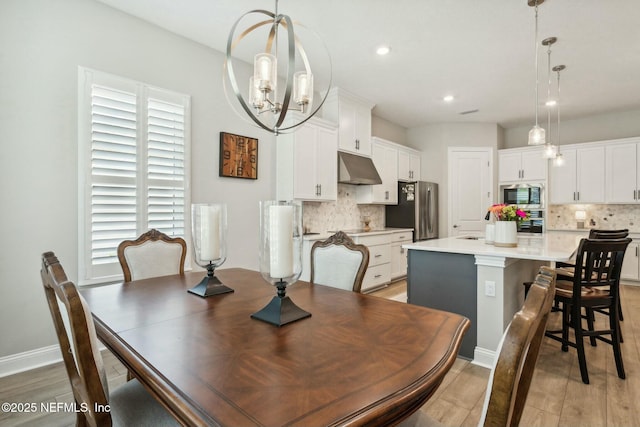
x=448, y=98
x=383, y=50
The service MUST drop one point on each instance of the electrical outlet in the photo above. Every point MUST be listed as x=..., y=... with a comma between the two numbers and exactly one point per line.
x=490, y=288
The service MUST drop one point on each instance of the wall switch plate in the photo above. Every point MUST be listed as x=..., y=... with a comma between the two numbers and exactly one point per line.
x=490, y=288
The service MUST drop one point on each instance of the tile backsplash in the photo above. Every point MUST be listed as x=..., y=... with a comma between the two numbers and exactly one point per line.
x=343, y=214
x=597, y=216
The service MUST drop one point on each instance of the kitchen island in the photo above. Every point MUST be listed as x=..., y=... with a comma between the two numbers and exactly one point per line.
x=483, y=282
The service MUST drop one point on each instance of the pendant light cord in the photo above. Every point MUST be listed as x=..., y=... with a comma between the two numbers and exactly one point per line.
x=536, y=62
x=558, y=107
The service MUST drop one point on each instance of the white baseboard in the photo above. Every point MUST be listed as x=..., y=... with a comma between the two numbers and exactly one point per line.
x=27, y=360
x=483, y=357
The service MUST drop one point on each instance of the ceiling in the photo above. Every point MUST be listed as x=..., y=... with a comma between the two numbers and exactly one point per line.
x=482, y=52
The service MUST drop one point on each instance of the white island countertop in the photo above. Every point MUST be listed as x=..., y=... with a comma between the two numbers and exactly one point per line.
x=550, y=246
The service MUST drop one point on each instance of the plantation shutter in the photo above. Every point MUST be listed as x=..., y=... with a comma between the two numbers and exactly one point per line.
x=165, y=174
x=113, y=171
x=134, y=143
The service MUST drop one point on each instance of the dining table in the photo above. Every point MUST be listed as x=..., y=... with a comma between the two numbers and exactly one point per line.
x=357, y=360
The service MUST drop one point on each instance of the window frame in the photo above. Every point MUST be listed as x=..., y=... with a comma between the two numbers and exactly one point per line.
x=88, y=274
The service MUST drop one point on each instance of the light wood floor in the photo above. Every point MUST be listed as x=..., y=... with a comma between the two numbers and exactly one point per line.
x=557, y=396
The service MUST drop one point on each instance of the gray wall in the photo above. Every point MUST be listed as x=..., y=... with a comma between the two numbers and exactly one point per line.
x=622, y=124
x=42, y=43
x=387, y=130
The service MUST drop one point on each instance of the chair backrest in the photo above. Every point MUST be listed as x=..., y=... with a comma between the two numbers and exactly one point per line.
x=518, y=351
x=339, y=262
x=153, y=254
x=608, y=234
x=78, y=343
x=598, y=263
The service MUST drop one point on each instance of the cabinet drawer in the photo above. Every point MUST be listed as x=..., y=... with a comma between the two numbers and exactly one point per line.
x=376, y=276
x=380, y=254
x=377, y=239
x=407, y=236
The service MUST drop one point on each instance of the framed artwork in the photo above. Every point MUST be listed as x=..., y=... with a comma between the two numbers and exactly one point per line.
x=238, y=156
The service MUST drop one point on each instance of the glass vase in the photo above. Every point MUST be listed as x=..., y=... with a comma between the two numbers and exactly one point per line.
x=209, y=237
x=280, y=256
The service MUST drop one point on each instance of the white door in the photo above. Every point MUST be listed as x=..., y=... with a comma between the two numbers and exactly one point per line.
x=590, y=175
x=470, y=188
x=621, y=169
x=562, y=179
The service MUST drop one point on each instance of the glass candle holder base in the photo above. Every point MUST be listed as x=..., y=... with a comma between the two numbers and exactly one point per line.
x=210, y=285
x=281, y=310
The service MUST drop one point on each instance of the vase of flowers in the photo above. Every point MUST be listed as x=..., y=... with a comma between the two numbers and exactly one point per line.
x=506, y=225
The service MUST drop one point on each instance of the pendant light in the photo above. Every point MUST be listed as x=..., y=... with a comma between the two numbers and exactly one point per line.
x=559, y=160
x=536, y=134
x=550, y=150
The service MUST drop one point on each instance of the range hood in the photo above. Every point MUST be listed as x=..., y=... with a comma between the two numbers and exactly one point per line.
x=354, y=169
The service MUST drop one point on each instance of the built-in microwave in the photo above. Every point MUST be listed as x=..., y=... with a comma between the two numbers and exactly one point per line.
x=527, y=197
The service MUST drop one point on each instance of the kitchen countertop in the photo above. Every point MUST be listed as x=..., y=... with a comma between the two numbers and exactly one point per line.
x=549, y=246
x=585, y=231
x=357, y=233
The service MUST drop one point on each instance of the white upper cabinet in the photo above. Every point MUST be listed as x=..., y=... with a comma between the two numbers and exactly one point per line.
x=353, y=115
x=581, y=179
x=622, y=172
x=521, y=164
x=408, y=165
x=385, y=159
x=307, y=167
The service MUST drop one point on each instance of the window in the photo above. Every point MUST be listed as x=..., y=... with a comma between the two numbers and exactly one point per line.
x=133, y=167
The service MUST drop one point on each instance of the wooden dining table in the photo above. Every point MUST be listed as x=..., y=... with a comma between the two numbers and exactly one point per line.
x=358, y=360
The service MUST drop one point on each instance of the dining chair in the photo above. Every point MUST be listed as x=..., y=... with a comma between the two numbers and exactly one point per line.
x=518, y=350
x=566, y=269
x=339, y=262
x=594, y=285
x=127, y=405
x=152, y=254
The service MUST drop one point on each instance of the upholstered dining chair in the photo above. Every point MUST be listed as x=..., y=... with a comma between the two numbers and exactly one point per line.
x=339, y=262
x=129, y=404
x=518, y=351
x=594, y=285
x=152, y=254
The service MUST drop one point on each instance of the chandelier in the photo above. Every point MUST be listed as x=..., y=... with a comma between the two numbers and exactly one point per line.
x=536, y=134
x=269, y=99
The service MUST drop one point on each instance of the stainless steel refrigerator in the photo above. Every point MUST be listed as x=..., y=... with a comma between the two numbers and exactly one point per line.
x=417, y=208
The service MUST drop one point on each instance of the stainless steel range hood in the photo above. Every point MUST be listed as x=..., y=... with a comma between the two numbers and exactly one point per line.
x=354, y=169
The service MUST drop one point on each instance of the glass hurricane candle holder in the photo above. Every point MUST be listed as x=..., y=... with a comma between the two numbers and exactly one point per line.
x=209, y=236
x=280, y=258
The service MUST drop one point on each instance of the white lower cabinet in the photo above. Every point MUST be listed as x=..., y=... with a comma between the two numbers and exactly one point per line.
x=399, y=254
x=387, y=259
x=379, y=270
x=631, y=263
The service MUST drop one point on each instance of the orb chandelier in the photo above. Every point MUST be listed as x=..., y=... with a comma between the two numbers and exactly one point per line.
x=266, y=103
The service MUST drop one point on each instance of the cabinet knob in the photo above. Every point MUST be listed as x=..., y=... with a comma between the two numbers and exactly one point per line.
x=455, y=226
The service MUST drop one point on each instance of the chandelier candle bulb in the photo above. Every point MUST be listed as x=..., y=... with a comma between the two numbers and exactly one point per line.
x=210, y=233
x=302, y=88
x=265, y=71
x=281, y=241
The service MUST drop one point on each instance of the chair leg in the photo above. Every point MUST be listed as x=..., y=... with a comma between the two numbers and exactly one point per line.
x=620, y=313
x=614, y=324
x=577, y=329
x=565, y=327
x=590, y=318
